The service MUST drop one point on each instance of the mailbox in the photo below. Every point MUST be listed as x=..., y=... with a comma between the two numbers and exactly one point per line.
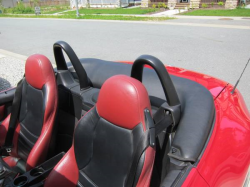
x=37, y=10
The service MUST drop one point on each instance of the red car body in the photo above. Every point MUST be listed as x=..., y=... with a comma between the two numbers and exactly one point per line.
x=226, y=159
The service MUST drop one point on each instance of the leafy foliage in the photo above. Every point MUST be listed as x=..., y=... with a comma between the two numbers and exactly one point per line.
x=20, y=8
x=160, y=5
x=164, y=5
x=220, y=3
x=204, y=5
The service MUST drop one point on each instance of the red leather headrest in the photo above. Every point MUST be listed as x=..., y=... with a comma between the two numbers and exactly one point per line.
x=38, y=70
x=122, y=101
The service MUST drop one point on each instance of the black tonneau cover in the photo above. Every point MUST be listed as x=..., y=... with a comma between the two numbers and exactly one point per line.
x=197, y=104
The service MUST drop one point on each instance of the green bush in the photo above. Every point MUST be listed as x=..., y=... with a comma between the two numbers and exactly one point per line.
x=1, y=9
x=164, y=5
x=160, y=5
x=8, y=10
x=212, y=4
x=153, y=6
x=204, y=5
x=220, y=3
x=21, y=9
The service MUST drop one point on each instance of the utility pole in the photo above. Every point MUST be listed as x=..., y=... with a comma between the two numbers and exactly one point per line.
x=77, y=11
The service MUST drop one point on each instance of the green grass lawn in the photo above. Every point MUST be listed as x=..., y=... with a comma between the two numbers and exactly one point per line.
x=53, y=9
x=235, y=12
x=99, y=17
x=114, y=11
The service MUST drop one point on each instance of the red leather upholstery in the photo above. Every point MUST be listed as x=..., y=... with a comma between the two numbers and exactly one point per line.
x=66, y=172
x=43, y=67
x=122, y=101
x=3, y=129
x=60, y=176
x=38, y=72
x=147, y=169
x=2, y=112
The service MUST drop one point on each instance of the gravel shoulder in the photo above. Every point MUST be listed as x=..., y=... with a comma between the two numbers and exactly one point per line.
x=11, y=71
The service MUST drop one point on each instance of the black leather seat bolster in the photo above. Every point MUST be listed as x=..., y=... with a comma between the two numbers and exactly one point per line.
x=31, y=118
x=196, y=103
x=98, y=155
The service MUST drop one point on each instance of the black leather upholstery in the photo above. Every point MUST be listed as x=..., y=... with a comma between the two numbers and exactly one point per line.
x=31, y=118
x=103, y=151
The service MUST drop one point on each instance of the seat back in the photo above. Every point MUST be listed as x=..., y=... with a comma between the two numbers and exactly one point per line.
x=37, y=113
x=106, y=139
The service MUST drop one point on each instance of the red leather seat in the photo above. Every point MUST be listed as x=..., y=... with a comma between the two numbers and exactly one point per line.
x=106, y=139
x=37, y=114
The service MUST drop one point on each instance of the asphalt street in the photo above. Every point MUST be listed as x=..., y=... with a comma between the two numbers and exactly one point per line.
x=219, y=48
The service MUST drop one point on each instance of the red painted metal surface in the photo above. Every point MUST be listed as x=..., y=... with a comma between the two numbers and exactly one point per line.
x=226, y=159
x=195, y=179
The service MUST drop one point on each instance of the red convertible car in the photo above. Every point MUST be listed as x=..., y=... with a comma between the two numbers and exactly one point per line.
x=91, y=122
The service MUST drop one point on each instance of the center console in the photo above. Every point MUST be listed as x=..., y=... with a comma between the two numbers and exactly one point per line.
x=36, y=176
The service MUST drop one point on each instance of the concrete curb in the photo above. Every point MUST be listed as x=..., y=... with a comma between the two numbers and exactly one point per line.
x=4, y=53
x=8, y=54
x=148, y=22
x=211, y=17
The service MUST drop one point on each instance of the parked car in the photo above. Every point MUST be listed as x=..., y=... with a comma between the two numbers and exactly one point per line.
x=194, y=132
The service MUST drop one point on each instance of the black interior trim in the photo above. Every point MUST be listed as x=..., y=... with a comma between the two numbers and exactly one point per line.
x=61, y=63
x=157, y=65
x=7, y=96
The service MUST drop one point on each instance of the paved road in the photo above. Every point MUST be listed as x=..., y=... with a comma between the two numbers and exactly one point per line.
x=219, y=48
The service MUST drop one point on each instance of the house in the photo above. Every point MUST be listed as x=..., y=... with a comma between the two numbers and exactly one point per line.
x=102, y=3
x=12, y=3
x=179, y=4
x=9, y=3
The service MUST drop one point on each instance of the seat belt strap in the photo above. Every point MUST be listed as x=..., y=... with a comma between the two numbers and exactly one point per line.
x=148, y=139
x=15, y=110
x=163, y=124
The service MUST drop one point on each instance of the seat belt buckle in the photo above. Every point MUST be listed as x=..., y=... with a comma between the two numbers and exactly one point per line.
x=7, y=148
